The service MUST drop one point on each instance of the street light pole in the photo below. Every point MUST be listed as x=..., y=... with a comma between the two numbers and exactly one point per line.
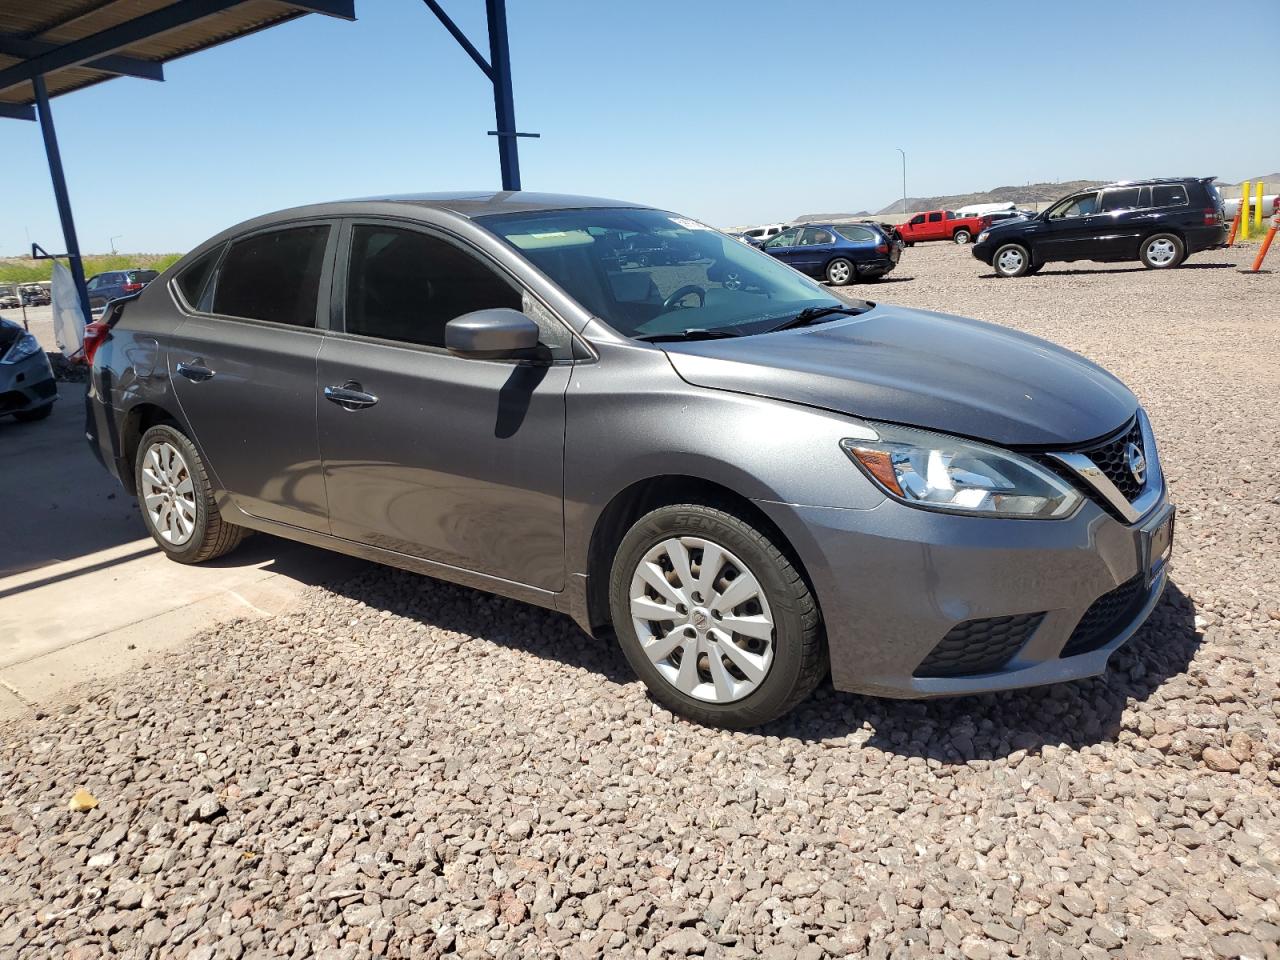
x=904, y=180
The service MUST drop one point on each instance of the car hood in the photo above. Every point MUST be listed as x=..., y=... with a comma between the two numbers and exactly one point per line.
x=922, y=369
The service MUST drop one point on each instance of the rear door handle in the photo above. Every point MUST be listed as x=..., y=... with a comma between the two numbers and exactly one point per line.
x=349, y=396
x=195, y=370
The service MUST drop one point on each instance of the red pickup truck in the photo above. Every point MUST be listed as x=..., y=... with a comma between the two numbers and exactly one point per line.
x=941, y=225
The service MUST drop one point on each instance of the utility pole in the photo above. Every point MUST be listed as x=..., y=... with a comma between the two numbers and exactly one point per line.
x=904, y=180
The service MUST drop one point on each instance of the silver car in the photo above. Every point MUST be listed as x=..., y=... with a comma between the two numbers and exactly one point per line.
x=27, y=387
x=698, y=453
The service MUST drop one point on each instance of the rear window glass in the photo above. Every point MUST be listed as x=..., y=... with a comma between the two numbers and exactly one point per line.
x=856, y=234
x=1125, y=199
x=1169, y=195
x=192, y=279
x=273, y=276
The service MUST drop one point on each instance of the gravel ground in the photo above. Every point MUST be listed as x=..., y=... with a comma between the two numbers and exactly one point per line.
x=406, y=768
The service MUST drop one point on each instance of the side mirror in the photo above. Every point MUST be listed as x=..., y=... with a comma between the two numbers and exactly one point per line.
x=498, y=333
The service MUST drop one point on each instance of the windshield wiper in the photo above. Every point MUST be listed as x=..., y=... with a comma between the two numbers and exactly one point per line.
x=693, y=333
x=810, y=314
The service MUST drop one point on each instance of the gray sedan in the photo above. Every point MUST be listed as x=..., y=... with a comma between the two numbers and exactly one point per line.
x=697, y=451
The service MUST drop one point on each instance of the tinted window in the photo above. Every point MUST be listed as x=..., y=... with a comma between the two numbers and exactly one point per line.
x=857, y=234
x=935, y=218
x=918, y=218
x=273, y=276
x=192, y=279
x=1169, y=195
x=1124, y=199
x=404, y=285
x=1075, y=207
x=787, y=238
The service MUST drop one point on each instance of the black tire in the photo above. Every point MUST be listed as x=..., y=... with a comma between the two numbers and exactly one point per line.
x=841, y=272
x=31, y=416
x=799, y=649
x=210, y=535
x=1015, y=262
x=962, y=236
x=1162, y=251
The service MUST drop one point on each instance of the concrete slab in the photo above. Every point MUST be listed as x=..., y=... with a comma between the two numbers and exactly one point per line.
x=84, y=593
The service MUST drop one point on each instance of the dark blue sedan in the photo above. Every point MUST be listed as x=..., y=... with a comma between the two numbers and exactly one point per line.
x=838, y=253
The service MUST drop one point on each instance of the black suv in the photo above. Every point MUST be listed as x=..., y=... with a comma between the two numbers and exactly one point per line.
x=1158, y=222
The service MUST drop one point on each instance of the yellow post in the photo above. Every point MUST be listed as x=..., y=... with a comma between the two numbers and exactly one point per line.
x=1257, y=209
x=1244, y=210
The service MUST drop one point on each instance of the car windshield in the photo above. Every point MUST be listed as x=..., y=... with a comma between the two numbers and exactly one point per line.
x=648, y=273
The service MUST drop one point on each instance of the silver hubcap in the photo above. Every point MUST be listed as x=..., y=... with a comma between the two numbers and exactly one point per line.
x=839, y=272
x=1161, y=251
x=1009, y=261
x=962, y=237
x=168, y=493
x=703, y=620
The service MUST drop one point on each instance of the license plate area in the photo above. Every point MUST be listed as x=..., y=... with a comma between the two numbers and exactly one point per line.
x=1157, y=545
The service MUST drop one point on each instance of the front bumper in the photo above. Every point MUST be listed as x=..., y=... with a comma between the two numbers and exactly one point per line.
x=983, y=251
x=894, y=581
x=27, y=384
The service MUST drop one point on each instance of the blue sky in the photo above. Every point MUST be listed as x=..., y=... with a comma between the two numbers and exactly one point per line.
x=733, y=111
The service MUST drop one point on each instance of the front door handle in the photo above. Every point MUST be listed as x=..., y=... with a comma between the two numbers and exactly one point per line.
x=195, y=370
x=349, y=396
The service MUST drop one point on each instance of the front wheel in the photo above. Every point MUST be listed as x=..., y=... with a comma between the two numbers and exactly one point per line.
x=1162, y=251
x=177, y=499
x=840, y=272
x=714, y=617
x=1011, y=260
x=962, y=237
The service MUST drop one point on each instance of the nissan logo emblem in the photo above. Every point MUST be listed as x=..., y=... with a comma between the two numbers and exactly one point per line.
x=1137, y=462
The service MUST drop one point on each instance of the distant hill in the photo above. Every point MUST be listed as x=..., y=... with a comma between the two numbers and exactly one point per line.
x=1027, y=193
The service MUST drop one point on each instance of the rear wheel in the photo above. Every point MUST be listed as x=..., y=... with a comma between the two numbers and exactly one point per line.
x=714, y=617
x=177, y=500
x=1011, y=260
x=962, y=236
x=1162, y=251
x=840, y=272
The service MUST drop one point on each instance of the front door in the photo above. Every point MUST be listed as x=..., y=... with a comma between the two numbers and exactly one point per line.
x=784, y=246
x=244, y=371
x=1071, y=229
x=451, y=459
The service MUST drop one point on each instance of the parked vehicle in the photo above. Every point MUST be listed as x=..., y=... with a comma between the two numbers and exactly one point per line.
x=758, y=235
x=35, y=295
x=27, y=387
x=737, y=476
x=940, y=225
x=9, y=300
x=105, y=287
x=1270, y=206
x=1159, y=222
x=839, y=254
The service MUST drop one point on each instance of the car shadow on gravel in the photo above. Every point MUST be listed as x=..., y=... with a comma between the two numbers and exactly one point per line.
x=991, y=726
x=1086, y=272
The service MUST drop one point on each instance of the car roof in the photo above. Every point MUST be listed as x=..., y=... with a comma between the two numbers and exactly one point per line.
x=485, y=203
x=1153, y=180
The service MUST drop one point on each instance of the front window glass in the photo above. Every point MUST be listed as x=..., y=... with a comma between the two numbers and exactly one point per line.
x=918, y=218
x=647, y=273
x=787, y=238
x=1081, y=206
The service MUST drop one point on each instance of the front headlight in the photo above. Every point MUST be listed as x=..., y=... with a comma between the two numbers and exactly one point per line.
x=938, y=472
x=26, y=346
x=983, y=235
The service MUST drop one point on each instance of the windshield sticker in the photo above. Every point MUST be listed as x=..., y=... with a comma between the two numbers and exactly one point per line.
x=688, y=224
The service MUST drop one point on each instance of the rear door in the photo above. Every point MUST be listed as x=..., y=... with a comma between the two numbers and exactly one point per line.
x=243, y=366
x=1119, y=223
x=455, y=460
x=814, y=249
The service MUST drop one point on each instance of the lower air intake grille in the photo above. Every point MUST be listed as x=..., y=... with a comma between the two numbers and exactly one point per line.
x=979, y=646
x=1106, y=617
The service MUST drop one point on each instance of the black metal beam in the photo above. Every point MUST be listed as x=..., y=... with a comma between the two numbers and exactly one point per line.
x=60, y=193
x=145, y=27
x=17, y=111
x=461, y=37
x=503, y=99
x=121, y=66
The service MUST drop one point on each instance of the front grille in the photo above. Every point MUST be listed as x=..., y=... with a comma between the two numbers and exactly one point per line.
x=979, y=646
x=1106, y=617
x=1112, y=459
